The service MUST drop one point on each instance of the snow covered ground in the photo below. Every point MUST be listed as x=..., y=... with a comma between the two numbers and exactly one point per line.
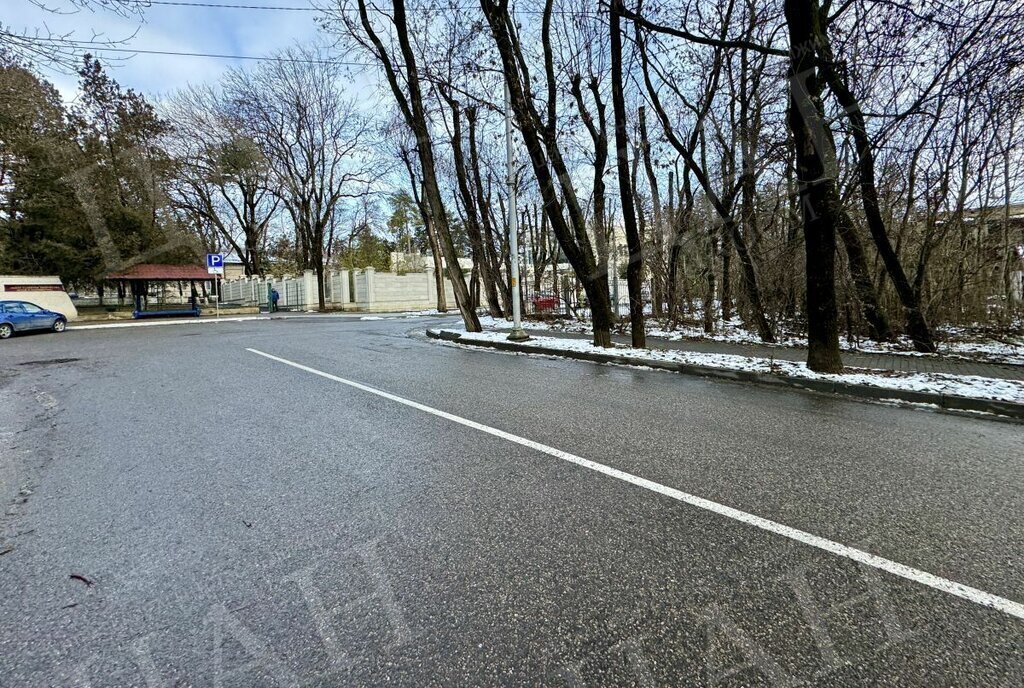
x=938, y=383
x=957, y=342
x=406, y=315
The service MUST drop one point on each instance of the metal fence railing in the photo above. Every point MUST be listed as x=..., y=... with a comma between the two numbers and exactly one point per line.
x=566, y=298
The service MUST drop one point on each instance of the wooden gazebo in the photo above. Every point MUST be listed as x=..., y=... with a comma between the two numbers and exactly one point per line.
x=138, y=277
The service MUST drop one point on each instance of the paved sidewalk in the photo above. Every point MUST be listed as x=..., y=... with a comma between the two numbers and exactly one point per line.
x=898, y=362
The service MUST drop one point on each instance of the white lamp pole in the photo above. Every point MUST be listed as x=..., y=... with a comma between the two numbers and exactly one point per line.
x=518, y=334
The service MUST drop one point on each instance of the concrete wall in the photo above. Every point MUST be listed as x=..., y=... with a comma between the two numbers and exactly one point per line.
x=52, y=298
x=364, y=290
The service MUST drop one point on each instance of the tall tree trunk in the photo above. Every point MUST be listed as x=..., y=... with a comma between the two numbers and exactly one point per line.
x=634, y=268
x=816, y=170
x=316, y=243
x=252, y=254
x=656, y=262
x=599, y=135
x=501, y=285
x=435, y=247
x=435, y=251
x=709, y=279
x=500, y=258
x=726, y=289
x=1009, y=250
x=481, y=254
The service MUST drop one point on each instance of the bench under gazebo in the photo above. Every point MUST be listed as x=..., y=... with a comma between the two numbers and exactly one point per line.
x=138, y=279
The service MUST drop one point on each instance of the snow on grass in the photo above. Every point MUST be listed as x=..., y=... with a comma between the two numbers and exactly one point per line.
x=937, y=383
x=957, y=345
x=492, y=322
x=998, y=352
x=732, y=331
x=959, y=342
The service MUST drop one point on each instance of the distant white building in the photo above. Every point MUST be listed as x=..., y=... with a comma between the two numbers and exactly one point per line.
x=45, y=291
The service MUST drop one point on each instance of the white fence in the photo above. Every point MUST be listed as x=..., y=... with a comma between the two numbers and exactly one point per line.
x=359, y=290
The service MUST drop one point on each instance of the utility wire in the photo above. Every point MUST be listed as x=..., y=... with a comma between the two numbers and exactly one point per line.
x=439, y=8
x=100, y=47
x=233, y=7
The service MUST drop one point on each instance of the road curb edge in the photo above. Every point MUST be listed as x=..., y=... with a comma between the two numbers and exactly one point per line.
x=949, y=402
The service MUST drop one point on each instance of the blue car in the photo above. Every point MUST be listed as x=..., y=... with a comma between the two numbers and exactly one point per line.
x=21, y=316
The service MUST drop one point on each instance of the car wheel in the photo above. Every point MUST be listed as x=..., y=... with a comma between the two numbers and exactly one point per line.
x=59, y=325
x=6, y=330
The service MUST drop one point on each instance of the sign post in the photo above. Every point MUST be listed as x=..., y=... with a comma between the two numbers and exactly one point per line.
x=215, y=266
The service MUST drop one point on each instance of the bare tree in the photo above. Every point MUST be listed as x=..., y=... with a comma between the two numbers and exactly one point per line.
x=410, y=163
x=722, y=202
x=561, y=203
x=63, y=51
x=472, y=205
x=316, y=140
x=634, y=267
x=389, y=44
x=223, y=179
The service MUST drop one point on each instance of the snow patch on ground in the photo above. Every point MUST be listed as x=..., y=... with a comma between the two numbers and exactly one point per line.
x=429, y=311
x=937, y=383
x=495, y=323
x=959, y=342
x=405, y=315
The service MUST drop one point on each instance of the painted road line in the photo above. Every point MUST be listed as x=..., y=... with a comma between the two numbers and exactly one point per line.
x=945, y=585
x=157, y=323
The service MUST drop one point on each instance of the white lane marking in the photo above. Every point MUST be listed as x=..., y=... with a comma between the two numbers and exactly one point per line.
x=945, y=585
x=158, y=323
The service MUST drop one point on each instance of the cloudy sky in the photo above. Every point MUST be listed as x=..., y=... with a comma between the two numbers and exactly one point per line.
x=172, y=28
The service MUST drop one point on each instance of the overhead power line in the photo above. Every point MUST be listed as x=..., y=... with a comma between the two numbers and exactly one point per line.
x=95, y=47
x=232, y=6
x=281, y=8
x=101, y=46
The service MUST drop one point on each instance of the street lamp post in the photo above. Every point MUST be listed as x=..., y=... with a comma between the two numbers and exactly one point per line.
x=518, y=334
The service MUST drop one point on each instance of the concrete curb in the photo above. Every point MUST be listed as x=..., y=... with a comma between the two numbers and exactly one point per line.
x=949, y=402
x=354, y=315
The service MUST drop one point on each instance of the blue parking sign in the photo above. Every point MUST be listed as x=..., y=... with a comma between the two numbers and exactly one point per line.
x=214, y=260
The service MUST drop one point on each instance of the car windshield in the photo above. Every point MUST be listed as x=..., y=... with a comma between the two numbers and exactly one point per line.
x=30, y=307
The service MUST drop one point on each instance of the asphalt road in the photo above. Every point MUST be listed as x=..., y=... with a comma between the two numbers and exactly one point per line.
x=183, y=511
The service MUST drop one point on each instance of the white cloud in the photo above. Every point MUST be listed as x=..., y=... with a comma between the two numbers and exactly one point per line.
x=171, y=29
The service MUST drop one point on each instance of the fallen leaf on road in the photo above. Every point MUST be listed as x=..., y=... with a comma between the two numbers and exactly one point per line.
x=246, y=523
x=77, y=577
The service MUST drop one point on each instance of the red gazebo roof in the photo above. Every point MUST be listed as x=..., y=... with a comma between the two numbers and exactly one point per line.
x=157, y=272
